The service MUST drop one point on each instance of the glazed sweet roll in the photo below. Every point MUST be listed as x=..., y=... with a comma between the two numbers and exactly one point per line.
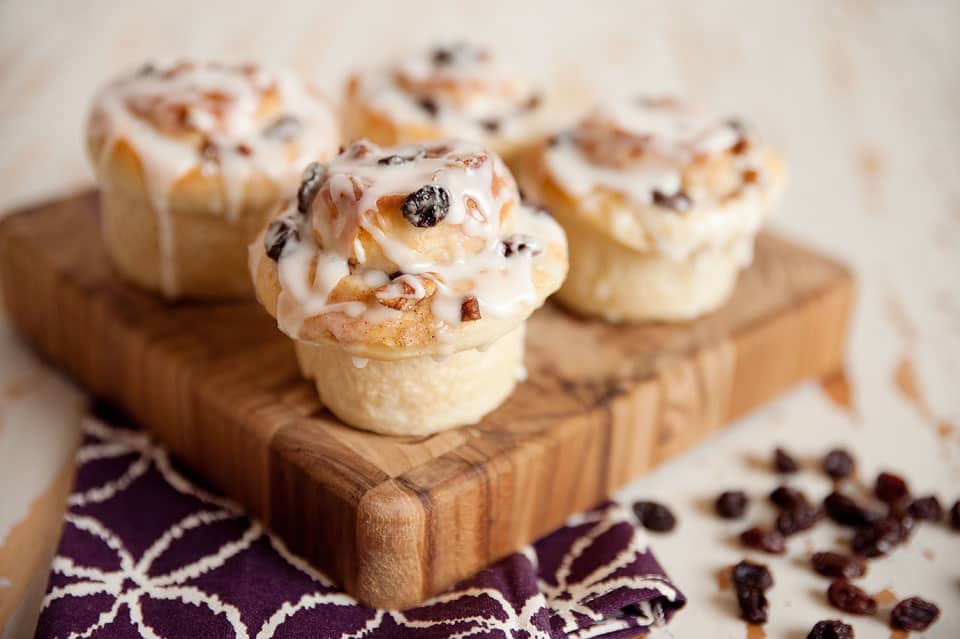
x=661, y=204
x=405, y=276
x=191, y=158
x=457, y=91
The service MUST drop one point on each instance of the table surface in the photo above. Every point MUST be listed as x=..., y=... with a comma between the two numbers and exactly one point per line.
x=862, y=97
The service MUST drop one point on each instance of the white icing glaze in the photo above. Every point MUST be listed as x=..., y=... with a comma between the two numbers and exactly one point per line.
x=216, y=118
x=645, y=151
x=468, y=261
x=475, y=98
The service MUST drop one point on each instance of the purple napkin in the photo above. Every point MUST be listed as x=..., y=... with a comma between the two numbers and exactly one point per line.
x=148, y=552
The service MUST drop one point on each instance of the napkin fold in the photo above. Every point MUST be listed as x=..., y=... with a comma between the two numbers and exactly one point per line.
x=147, y=551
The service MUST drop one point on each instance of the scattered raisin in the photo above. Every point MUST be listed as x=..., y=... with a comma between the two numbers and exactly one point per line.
x=310, y=183
x=831, y=629
x=753, y=605
x=678, y=201
x=914, y=613
x=286, y=127
x=470, y=309
x=798, y=519
x=731, y=504
x=429, y=105
x=788, y=498
x=519, y=243
x=838, y=463
x=769, y=541
x=834, y=564
x=783, y=462
x=427, y=206
x=955, y=515
x=845, y=511
x=747, y=574
x=890, y=488
x=879, y=538
x=850, y=598
x=280, y=231
x=926, y=509
x=654, y=516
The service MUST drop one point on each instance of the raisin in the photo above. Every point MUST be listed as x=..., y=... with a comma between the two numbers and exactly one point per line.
x=955, y=515
x=769, y=541
x=797, y=519
x=396, y=160
x=881, y=537
x=731, y=504
x=838, y=463
x=753, y=605
x=830, y=629
x=747, y=574
x=491, y=125
x=679, y=201
x=788, y=498
x=429, y=105
x=286, y=127
x=243, y=149
x=926, y=509
x=783, y=462
x=845, y=511
x=914, y=613
x=470, y=309
x=310, y=183
x=148, y=68
x=442, y=56
x=833, y=564
x=654, y=516
x=847, y=597
x=209, y=150
x=518, y=244
x=280, y=231
x=890, y=488
x=427, y=206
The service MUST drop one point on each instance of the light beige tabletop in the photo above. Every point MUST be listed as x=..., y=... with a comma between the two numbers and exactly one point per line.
x=863, y=98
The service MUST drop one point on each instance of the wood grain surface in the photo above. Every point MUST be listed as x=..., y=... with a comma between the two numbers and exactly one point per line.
x=398, y=519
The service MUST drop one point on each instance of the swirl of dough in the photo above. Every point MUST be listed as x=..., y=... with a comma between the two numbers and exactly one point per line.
x=656, y=174
x=407, y=251
x=455, y=91
x=194, y=124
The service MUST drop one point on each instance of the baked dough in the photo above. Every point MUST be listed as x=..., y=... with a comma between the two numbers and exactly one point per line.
x=405, y=276
x=453, y=91
x=191, y=158
x=661, y=204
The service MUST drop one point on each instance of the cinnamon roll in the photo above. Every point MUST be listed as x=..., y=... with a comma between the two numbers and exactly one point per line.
x=191, y=158
x=661, y=204
x=456, y=91
x=405, y=276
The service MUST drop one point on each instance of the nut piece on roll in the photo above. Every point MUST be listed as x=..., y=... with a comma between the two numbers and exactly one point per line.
x=405, y=276
x=453, y=91
x=191, y=159
x=661, y=205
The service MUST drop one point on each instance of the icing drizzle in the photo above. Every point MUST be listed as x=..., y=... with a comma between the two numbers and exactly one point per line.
x=234, y=122
x=476, y=262
x=458, y=88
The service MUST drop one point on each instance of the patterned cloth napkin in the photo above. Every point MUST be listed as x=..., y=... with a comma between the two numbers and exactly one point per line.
x=148, y=552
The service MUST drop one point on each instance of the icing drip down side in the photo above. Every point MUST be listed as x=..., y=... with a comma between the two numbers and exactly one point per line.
x=664, y=176
x=228, y=123
x=411, y=248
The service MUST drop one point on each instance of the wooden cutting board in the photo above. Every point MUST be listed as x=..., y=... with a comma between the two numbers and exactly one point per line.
x=395, y=520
